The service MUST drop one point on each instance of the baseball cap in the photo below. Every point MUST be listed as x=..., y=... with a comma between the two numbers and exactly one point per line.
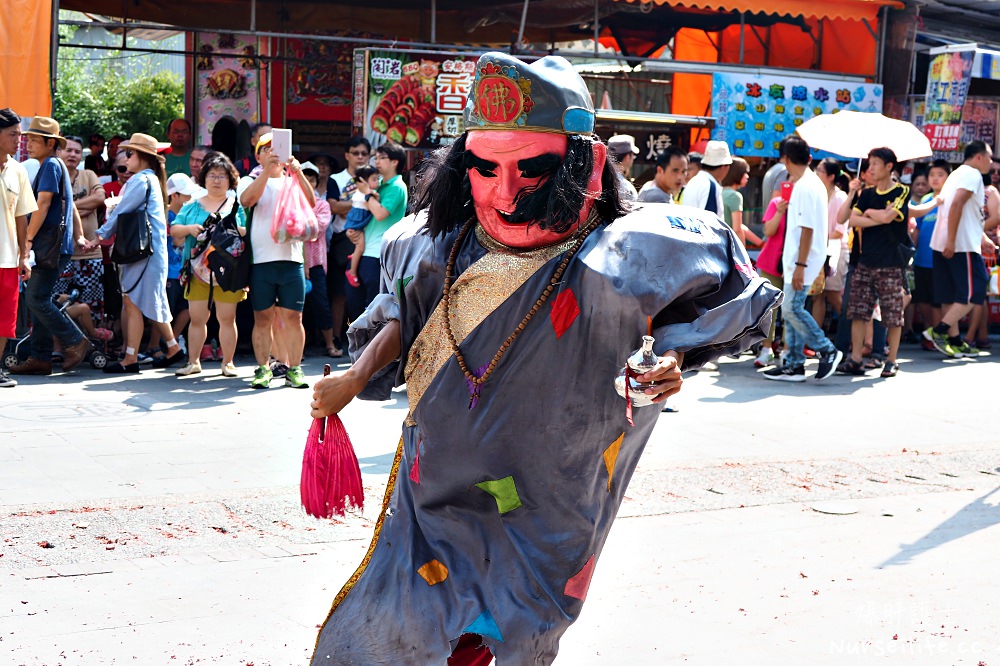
x=623, y=144
x=180, y=183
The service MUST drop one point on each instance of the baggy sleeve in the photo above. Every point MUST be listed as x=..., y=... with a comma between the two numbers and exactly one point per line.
x=722, y=309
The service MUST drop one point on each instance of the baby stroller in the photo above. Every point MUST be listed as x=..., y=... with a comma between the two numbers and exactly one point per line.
x=17, y=350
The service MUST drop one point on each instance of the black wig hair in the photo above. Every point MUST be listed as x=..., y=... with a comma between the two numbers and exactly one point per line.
x=554, y=204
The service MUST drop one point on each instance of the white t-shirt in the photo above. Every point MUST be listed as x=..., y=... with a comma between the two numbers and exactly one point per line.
x=807, y=209
x=695, y=193
x=970, y=225
x=264, y=247
x=345, y=181
x=17, y=200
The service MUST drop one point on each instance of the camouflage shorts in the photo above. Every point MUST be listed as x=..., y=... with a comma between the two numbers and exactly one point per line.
x=885, y=286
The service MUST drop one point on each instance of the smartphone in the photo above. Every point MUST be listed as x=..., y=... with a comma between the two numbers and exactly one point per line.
x=281, y=144
x=786, y=191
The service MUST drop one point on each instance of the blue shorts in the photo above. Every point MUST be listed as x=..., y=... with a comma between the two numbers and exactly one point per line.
x=961, y=279
x=281, y=283
x=175, y=297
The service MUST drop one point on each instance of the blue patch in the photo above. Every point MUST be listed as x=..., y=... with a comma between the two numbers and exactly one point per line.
x=484, y=626
x=685, y=224
x=578, y=120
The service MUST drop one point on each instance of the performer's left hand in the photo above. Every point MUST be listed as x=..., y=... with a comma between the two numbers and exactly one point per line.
x=666, y=374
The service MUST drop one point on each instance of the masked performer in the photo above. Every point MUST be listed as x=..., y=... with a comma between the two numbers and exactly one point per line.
x=509, y=303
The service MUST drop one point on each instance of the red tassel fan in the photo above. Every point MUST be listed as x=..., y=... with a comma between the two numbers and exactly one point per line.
x=331, y=475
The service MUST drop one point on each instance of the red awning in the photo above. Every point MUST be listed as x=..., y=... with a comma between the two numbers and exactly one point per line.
x=854, y=10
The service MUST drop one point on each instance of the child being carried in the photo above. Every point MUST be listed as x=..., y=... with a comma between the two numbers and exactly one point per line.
x=359, y=216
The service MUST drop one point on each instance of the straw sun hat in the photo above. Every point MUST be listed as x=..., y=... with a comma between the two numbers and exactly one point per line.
x=142, y=143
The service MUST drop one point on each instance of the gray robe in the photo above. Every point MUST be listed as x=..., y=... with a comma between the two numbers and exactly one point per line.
x=497, y=514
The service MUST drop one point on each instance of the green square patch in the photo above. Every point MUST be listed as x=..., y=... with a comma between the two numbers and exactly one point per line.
x=504, y=492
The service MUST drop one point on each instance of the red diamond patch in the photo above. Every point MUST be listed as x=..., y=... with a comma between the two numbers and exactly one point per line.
x=565, y=310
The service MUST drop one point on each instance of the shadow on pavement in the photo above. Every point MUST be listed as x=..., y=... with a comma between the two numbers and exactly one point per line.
x=975, y=516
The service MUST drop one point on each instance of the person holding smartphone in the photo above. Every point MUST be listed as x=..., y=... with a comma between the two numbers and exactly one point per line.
x=367, y=180
x=802, y=260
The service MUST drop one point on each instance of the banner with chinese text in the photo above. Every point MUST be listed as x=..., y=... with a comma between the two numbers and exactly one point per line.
x=753, y=113
x=415, y=99
x=947, y=87
x=980, y=122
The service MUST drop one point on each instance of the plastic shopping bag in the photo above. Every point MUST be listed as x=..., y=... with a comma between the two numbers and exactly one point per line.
x=294, y=219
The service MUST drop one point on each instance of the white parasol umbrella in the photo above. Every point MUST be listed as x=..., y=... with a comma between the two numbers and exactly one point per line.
x=853, y=134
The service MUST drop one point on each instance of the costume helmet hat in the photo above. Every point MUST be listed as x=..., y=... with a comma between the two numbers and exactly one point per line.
x=142, y=143
x=545, y=96
x=47, y=128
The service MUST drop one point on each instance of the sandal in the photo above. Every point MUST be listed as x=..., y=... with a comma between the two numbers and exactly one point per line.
x=851, y=367
x=334, y=352
x=353, y=280
x=890, y=369
x=873, y=363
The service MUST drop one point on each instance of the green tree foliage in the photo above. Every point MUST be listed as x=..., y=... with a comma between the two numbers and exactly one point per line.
x=96, y=96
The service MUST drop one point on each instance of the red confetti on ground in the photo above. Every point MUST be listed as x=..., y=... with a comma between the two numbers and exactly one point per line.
x=895, y=637
x=45, y=544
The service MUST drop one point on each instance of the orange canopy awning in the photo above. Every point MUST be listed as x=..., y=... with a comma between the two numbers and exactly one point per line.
x=852, y=10
x=25, y=37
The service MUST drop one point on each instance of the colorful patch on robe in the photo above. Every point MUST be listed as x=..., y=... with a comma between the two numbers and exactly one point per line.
x=433, y=572
x=611, y=457
x=504, y=492
x=578, y=586
x=565, y=310
x=401, y=285
x=474, y=389
x=484, y=625
x=415, y=470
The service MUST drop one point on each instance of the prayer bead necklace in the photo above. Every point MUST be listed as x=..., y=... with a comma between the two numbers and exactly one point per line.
x=476, y=382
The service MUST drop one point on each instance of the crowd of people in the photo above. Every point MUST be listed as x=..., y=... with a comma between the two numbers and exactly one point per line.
x=861, y=260
x=159, y=308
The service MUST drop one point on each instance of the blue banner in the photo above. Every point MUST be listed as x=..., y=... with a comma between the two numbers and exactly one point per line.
x=753, y=113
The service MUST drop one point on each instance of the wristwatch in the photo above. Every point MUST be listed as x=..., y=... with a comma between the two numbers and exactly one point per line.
x=369, y=196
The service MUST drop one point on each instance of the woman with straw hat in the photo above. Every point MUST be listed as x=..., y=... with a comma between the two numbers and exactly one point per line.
x=144, y=282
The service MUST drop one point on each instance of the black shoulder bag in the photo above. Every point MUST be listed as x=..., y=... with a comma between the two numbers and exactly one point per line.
x=134, y=235
x=48, y=241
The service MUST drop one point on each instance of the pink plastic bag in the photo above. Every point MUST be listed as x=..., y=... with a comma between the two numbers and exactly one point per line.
x=294, y=219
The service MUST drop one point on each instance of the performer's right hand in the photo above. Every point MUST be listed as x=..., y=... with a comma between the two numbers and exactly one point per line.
x=331, y=394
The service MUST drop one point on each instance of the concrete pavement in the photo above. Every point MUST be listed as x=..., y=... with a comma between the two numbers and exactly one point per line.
x=172, y=508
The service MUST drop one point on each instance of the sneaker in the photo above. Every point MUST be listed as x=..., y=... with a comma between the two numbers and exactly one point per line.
x=206, y=352
x=261, y=378
x=229, y=370
x=764, y=358
x=189, y=369
x=965, y=350
x=277, y=368
x=828, y=363
x=6, y=381
x=786, y=373
x=295, y=378
x=890, y=369
x=940, y=342
x=926, y=344
x=143, y=359
x=851, y=367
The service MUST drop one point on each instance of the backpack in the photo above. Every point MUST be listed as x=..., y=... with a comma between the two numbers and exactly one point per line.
x=229, y=258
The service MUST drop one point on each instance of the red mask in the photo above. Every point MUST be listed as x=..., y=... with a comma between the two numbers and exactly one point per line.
x=505, y=168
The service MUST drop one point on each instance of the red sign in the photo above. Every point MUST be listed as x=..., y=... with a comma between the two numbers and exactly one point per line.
x=943, y=137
